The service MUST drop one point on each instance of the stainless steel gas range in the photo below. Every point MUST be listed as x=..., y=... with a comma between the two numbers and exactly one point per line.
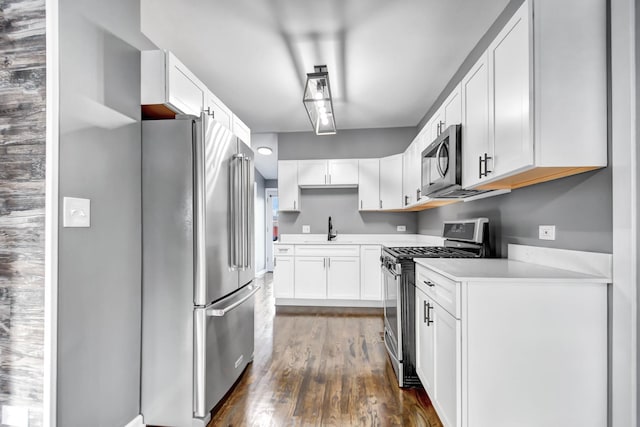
x=464, y=239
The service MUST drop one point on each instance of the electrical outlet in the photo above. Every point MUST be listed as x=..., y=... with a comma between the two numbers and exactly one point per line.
x=306, y=229
x=401, y=228
x=17, y=416
x=77, y=212
x=547, y=232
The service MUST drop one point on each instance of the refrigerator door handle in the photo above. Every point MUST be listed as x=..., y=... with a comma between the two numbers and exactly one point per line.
x=200, y=254
x=221, y=308
x=247, y=217
x=236, y=212
x=243, y=210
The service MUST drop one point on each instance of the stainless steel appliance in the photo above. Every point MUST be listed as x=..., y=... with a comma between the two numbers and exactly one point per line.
x=464, y=239
x=442, y=167
x=198, y=269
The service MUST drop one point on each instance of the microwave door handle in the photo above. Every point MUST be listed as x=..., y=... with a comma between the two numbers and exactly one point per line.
x=437, y=158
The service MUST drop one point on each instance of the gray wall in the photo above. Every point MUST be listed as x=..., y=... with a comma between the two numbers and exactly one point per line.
x=350, y=143
x=99, y=323
x=271, y=183
x=342, y=204
x=579, y=207
x=260, y=226
x=22, y=203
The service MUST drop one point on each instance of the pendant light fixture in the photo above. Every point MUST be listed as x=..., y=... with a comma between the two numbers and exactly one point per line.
x=318, y=103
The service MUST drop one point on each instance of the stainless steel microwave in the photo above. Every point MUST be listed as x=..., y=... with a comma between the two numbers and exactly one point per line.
x=441, y=164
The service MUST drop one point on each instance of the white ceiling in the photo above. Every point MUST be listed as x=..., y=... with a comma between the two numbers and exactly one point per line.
x=388, y=60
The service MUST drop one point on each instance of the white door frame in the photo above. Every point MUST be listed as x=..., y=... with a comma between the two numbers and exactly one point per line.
x=268, y=252
x=52, y=147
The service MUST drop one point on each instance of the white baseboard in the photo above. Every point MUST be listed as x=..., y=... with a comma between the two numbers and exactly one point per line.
x=328, y=303
x=261, y=273
x=136, y=422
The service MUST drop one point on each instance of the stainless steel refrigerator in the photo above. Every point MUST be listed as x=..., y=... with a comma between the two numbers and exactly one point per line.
x=198, y=267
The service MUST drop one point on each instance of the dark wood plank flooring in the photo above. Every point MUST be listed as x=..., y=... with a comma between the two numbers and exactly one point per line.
x=320, y=367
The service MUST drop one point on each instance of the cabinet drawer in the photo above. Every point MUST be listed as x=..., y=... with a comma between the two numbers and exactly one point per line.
x=284, y=249
x=442, y=290
x=327, y=250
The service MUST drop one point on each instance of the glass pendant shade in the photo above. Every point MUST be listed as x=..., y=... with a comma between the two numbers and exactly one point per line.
x=318, y=103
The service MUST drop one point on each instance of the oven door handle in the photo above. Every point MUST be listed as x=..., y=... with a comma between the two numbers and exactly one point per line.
x=389, y=272
x=393, y=356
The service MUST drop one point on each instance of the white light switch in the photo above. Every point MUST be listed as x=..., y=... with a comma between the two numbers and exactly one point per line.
x=401, y=228
x=306, y=229
x=547, y=232
x=77, y=212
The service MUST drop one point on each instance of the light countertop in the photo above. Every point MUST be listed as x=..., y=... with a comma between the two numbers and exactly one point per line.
x=503, y=269
x=362, y=239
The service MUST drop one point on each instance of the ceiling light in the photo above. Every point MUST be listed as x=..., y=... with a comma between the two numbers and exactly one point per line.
x=317, y=101
x=265, y=151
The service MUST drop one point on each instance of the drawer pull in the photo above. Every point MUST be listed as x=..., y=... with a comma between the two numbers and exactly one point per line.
x=428, y=283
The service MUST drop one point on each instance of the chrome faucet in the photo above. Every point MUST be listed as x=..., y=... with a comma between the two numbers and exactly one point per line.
x=331, y=236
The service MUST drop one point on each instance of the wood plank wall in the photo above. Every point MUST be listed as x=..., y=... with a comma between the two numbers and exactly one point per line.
x=22, y=201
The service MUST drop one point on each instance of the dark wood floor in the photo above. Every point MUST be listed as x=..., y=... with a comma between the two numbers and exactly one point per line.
x=320, y=368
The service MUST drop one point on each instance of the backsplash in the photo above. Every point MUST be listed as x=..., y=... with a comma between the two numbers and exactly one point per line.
x=341, y=204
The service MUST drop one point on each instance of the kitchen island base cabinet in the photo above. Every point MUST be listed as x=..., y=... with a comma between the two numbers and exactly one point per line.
x=536, y=354
x=508, y=353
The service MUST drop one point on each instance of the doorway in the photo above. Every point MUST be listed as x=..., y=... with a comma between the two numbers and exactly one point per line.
x=271, y=224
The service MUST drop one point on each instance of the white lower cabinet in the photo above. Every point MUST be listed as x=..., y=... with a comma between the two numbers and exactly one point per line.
x=322, y=274
x=310, y=277
x=343, y=278
x=425, y=342
x=512, y=352
x=370, y=273
x=447, y=369
x=283, y=276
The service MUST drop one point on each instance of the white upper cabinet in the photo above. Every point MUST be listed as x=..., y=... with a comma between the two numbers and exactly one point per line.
x=312, y=172
x=411, y=167
x=343, y=172
x=391, y=182
x=288, y=189
x=547, y=109
x=167, y=81
x=241, y=130
x=452, y=109
x=369, y=184
x=320, y=173
x=475, y=115
x=217, y=109
x=509, y=87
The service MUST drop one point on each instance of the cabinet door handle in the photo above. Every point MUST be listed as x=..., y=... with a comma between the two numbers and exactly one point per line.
x=429, y=307
x=294, y=205
x=380, y=204
x=479, y=166
x=360, y=204
x=406, y=200
x=275, y=262
x=428, y=283
x=486, y=165
x=324, y=263
x=418, y=194
x=425, y=312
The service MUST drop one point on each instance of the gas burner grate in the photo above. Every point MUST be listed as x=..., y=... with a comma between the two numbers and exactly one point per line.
x=430, y=252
